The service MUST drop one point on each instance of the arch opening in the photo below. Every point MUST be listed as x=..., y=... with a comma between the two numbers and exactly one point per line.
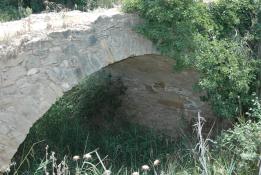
x=142, y=90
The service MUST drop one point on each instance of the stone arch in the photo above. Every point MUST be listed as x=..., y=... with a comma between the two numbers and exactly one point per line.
x=44, y=55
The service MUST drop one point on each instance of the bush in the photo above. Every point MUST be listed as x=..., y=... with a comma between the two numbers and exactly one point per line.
x=235, y=15
x=17, y=9
x=172, y=25
x=8, y=13
x=83, y=5
x=9, y=10
x=243, y=142
x=255, y=110
x=226, y=75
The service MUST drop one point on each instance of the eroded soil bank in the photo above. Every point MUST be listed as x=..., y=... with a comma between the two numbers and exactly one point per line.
x=158, y=96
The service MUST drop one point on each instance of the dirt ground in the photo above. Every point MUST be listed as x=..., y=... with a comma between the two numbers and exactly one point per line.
x=159, y=97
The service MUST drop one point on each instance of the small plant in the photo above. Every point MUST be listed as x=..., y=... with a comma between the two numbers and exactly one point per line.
x=202, y=146
x=81, y=166
x=84, y=165
x=255, y=110
x=244, y=141
x=227, y=73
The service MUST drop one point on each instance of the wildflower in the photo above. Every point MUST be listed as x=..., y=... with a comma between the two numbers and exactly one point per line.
x=145, y=168
x=75, y=158
x=87, y=156
x=156, y=162
x=107, y=172
x=135, y=173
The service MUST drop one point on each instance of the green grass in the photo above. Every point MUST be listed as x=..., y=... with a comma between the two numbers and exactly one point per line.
x=84, y=119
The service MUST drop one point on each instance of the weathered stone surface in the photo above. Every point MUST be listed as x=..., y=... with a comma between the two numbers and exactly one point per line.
x=44, y=55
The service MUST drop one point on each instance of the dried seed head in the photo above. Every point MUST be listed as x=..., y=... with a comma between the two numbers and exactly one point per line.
x=156, y=162
x=13, y=164
x=87, y=156
x=7, y=170
x=145, y=168
x=75, y=158
x=107, y=172
x=135, y=173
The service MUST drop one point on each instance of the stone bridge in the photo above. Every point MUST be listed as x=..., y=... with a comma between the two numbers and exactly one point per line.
x=44, y=55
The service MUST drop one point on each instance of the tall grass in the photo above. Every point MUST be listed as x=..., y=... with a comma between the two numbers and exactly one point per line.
x=85, y=119
x=174, y=158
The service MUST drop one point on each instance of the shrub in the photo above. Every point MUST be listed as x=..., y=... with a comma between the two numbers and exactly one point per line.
x=226, y=75
x=255, y=110
x=8, y=13
x=243, y=142
x=83, y=5
x=235, y=15
x=9, y=10
x=172, y=24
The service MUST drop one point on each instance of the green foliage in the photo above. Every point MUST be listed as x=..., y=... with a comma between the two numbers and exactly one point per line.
x=226, y=75
x=200, y=36
x=235, y=15
x=255, y=110
x=172, y=24
x=17, y=9
x=9, y=11
x=36, y=5
x=243, y=142
x=83, y=5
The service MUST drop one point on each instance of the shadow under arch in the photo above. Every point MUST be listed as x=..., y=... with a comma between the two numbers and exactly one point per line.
x=143, y=89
